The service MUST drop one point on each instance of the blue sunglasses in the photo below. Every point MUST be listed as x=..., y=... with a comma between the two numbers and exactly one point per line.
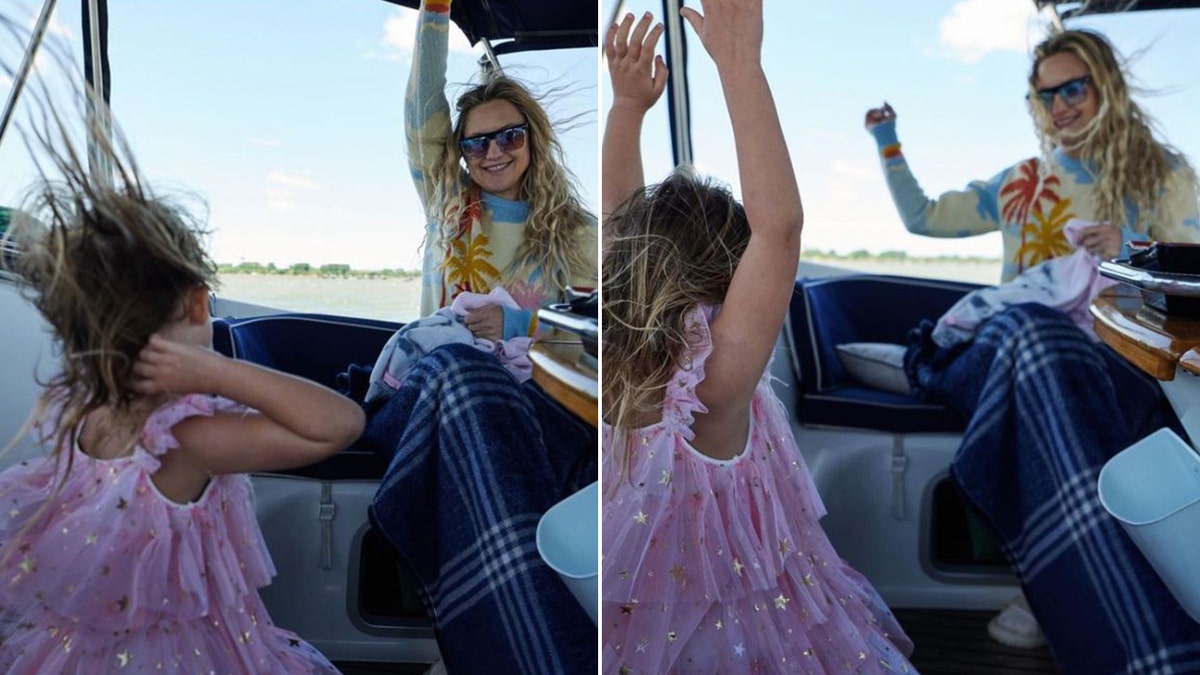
x=1073, y=92
x=507, y=139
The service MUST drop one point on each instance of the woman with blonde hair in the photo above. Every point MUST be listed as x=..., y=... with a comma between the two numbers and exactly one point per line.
x=1101, y=162
x=1046, y=405
x=476, y=457
x=501, y=205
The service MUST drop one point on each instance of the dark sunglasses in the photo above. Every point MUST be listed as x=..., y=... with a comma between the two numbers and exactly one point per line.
x=507, y=139
x=1072, y=92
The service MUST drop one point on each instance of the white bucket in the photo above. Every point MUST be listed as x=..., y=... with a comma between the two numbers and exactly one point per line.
x=568, y=540
x=1153, y=489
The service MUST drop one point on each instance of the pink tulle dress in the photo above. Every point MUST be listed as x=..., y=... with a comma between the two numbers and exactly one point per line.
x=113, y=577
x=722, y=567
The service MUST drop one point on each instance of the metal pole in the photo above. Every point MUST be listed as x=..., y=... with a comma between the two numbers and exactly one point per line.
x=489, y=65
x=616, y=13
x=35, y=41
x=678, y=103
x=98, y=118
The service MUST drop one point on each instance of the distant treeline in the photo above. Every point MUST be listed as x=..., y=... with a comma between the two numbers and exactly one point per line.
x=893, y=256
x=305, y=269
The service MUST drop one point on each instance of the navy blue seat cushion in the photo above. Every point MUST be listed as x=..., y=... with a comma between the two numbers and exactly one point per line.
x=830, y=311
x=317, y=347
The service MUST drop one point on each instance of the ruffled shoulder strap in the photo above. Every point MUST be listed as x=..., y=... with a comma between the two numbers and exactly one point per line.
x=157, y=435
x=680, y=404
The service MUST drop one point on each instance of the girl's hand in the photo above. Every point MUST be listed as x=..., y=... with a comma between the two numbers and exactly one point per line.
x=638, y=75
x=486, y=322
x=166, y=366
x=878, y=115
x=1102, y=241
x=730, y=30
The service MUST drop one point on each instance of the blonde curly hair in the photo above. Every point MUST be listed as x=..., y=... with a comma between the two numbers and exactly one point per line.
x=553, y=235
x=1131, y=164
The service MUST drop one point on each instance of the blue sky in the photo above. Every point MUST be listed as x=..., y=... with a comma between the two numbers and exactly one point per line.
x=955, y=72
x=285, y=117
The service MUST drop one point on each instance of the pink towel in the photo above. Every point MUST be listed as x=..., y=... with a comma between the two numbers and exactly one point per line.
x=513, y=352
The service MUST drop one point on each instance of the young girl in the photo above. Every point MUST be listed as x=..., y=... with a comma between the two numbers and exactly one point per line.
x=713, y=560
x=133, y=546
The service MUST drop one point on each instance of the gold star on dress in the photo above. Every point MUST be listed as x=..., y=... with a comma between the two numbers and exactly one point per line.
x=677, y=573
x=781, y=602
x=640, y=518
x=666, y=478
x=28, y=564
x=123, y=658
x=738, y=566
x=91, y=539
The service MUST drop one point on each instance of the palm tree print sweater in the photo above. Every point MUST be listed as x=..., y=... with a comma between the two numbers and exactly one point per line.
x=1030, y=212
x=492, y=229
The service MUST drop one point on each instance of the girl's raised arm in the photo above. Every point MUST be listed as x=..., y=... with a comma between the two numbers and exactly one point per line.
x=744, y=332
x=298, y=421
x=638, y=79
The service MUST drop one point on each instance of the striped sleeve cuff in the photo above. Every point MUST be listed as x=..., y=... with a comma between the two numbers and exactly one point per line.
x=886, y=139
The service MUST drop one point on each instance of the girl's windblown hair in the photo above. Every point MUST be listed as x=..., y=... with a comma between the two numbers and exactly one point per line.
x=1119, y=141
x=672, y=246
x=105, y=260
x=556, y=215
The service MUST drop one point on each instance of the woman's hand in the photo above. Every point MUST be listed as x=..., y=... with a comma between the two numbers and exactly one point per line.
x=1102, y=241
x=166, y=366
x=879, y=115
x=730, y=30
x=486, y=322
x=638, y=75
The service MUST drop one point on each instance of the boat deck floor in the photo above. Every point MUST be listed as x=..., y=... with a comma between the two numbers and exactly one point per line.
x=956, y=642
x=948, y=642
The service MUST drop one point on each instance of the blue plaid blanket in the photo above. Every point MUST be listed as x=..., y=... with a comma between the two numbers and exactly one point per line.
x=475, y=460
x=1047, y=408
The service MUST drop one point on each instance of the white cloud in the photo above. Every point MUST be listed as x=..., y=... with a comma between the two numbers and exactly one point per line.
x=400, y=32
x=281, y=205
x=857, y=170
x=264, y=142
x=845, y=179
x=975, y=28
x=291, y=180
x=54, y=27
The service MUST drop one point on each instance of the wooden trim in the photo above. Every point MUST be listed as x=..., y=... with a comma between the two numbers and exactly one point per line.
x=556, y=369
x=1149, y=339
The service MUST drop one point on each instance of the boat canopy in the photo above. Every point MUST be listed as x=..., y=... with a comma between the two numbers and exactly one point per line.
x=1067, y=9
x=523, y=25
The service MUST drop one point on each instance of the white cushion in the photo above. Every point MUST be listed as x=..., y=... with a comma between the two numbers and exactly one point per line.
x=878, y=365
